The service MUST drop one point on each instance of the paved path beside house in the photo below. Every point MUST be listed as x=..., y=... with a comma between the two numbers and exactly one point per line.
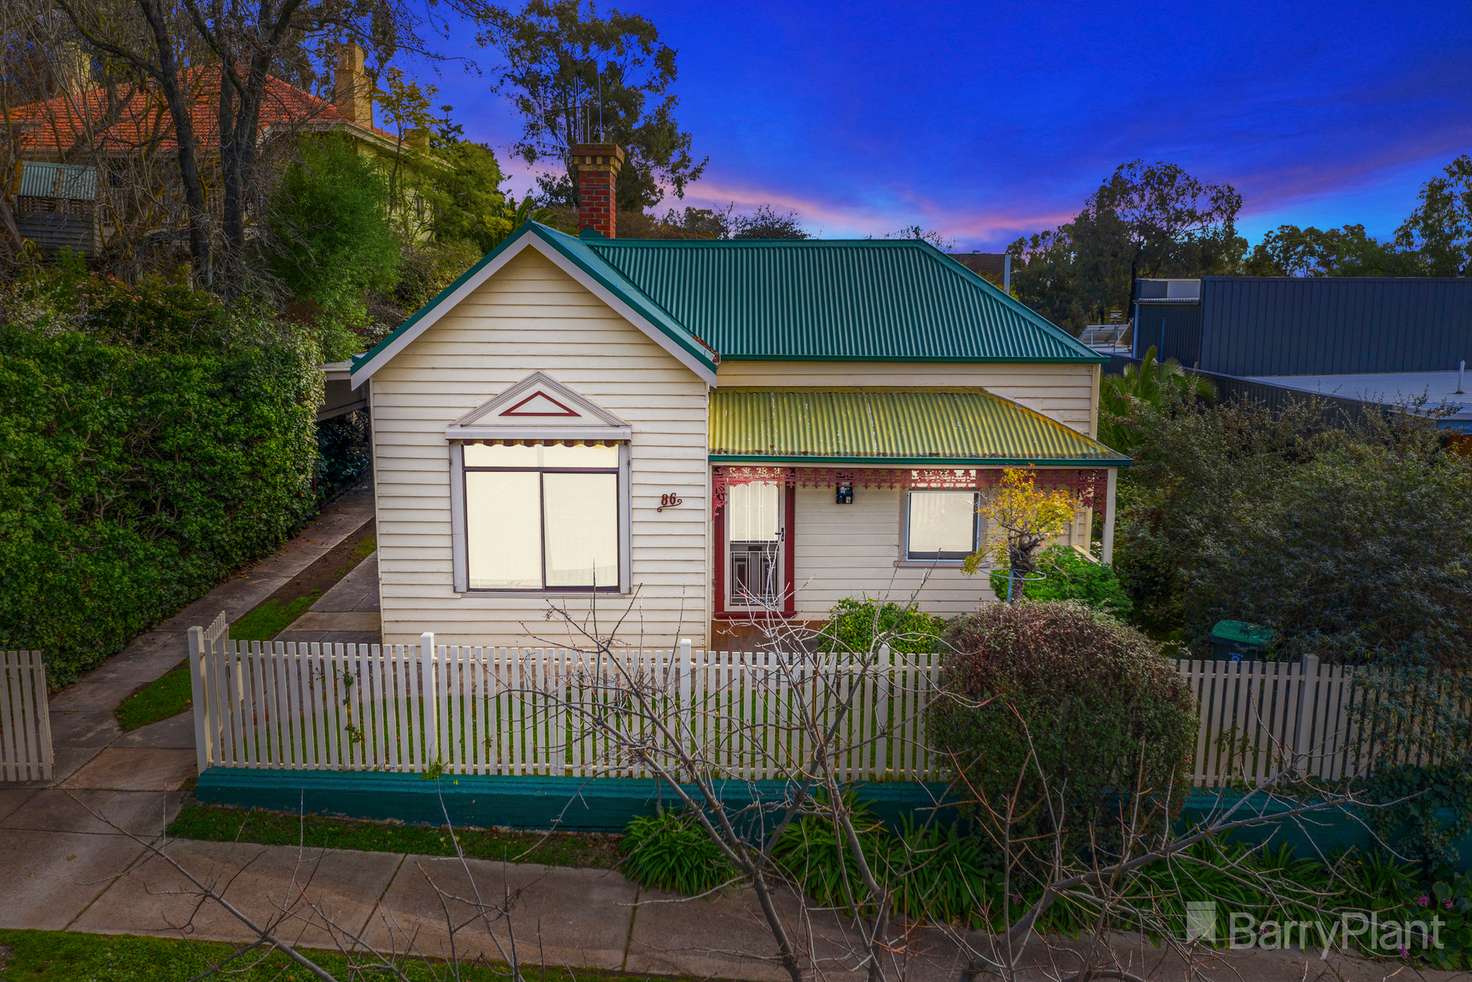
x=93, y=753
x=348, y=612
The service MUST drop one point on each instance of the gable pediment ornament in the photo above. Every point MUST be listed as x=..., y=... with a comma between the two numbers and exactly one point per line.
x=539, y=408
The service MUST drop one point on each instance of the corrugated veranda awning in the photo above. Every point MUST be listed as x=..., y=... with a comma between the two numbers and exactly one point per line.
x=915, y=427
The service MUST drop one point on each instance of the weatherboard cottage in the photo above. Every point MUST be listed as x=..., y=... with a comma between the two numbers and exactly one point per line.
x=682, y=437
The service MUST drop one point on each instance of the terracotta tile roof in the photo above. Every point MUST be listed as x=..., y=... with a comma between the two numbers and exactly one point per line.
x=140, y=116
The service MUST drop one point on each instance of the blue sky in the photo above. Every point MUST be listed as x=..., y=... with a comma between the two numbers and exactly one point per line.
x=986, y=121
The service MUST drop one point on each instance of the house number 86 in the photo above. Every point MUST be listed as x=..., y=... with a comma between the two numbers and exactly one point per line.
x=669, y=500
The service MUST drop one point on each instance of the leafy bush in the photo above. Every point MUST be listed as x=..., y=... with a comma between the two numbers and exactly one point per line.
x=859, y=625
x=1130, y=401
x=1093, y=699
x=465, y=196
x=330, y=240
x=1068, y=576
x=427, y=269
x=813, y=853
x=153, y=442
x=1345, y=533
x=1429, y=811
x=670, y=851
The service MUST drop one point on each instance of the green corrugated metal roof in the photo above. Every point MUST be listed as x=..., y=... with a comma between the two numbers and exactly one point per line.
x=951, y=427
x=888, y=300
x=73, y=182
x=815, y=299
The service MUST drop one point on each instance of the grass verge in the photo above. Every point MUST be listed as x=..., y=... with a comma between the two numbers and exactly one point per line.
x=168, y=695
x=277, y=612
x=272, y=616
x=217, y=823
x=62, y=956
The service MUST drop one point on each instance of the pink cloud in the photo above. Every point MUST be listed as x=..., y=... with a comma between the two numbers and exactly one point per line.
x=825, y=216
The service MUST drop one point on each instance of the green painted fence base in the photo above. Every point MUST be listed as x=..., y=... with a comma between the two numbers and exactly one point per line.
x=608, y=804
x=574, y=804
x=1310, y=835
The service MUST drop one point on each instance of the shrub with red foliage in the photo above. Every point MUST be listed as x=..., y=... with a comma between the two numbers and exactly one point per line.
x=1103, y=711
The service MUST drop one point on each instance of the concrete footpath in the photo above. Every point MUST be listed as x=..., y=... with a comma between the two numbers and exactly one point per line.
x=62, y=868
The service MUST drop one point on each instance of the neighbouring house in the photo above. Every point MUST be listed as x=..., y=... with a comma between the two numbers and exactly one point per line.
x=682, y=437
x=56, y=205
x=84, y=153
x=1389, y=341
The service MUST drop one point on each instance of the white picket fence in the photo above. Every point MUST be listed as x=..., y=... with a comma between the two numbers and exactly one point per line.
x=25, y=719
x=1258, y=717
x=466, y=709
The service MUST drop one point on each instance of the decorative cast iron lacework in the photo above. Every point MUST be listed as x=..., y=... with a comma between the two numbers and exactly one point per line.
x=1083, y=482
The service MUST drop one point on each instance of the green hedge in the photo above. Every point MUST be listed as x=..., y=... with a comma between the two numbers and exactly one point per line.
x=152, y=443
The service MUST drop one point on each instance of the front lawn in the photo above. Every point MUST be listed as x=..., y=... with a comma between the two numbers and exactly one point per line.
x=217, y=823
x=61, y=956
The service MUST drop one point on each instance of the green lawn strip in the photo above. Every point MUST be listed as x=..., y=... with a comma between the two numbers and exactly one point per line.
x=217, y=823
x=272, y=616
x=168, y=695
x=63, y=956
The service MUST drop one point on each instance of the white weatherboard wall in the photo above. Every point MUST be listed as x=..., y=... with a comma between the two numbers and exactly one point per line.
x=532, y=317
x=850, y=551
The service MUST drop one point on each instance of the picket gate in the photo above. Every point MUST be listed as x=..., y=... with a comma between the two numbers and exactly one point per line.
x=26, y=753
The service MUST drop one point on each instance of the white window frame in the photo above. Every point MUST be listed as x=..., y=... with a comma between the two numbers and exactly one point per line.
x=460, y=553
x=907, y=559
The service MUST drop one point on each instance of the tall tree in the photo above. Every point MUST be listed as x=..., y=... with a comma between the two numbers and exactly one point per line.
x=577, y=76
x=1348, y=251
x=1172, y=221
x=1440, y=228
x=1144, y=220
x=153, y=37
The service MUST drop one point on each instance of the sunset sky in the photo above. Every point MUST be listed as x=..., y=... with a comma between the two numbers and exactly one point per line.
x=986, y=121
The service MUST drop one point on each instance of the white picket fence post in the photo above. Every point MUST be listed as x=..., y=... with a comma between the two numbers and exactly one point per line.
x=428, y=698
x=1308, y=715
x=203, y=745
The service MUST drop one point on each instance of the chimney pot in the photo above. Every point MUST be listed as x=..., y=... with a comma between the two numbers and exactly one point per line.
x=596, y=166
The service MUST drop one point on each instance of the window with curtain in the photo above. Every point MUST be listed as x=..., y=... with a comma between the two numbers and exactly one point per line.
x=542, y=516
x=941, y=525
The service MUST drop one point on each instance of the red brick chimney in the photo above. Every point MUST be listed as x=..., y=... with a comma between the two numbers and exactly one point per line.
x=597, y=166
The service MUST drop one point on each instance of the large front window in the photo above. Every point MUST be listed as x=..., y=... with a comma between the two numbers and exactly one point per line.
x=941, y=525
x=542, y=516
